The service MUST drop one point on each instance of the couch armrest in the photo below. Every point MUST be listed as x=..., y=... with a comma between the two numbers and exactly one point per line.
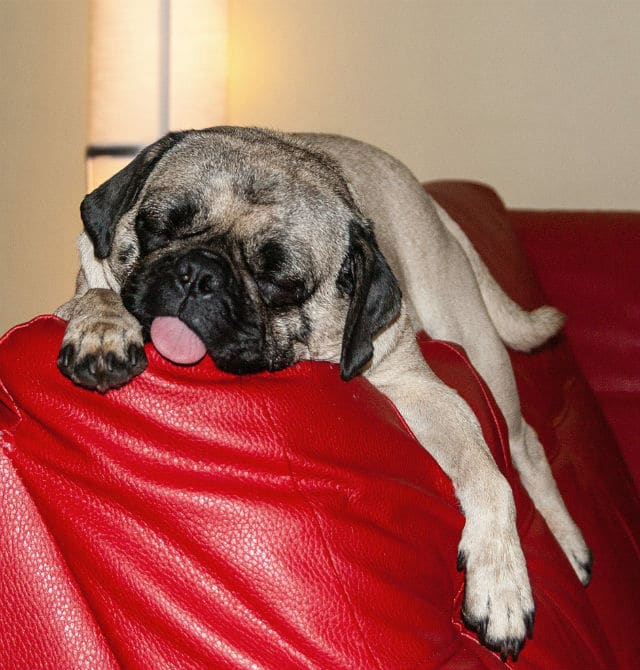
x=588, y=265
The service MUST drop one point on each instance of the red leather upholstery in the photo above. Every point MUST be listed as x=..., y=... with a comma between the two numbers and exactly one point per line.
x=588, y=265
x=193, y=519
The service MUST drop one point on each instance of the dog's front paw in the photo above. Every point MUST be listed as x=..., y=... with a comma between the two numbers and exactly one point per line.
x=498, y=604
x=101, y=354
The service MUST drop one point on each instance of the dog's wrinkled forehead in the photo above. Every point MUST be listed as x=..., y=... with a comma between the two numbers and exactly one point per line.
x=250, y=184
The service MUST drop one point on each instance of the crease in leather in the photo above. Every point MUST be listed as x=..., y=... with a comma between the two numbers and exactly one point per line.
x=70, y=575
x=189, y=550
x=12, y=432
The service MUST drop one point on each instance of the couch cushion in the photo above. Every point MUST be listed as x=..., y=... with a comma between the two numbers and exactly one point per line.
x=588, y=265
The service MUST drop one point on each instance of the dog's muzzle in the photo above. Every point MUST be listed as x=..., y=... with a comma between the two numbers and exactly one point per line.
x=209, y=305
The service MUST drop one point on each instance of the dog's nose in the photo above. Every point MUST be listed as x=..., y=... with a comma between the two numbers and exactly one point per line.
x=203, y=272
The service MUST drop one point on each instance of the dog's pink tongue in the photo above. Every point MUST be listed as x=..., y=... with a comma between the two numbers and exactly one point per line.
x=176, y=341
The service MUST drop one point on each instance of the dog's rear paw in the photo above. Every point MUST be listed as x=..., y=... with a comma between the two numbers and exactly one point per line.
x=572, y=542
x=581, y=560
x=102, y=354
x=498, y=604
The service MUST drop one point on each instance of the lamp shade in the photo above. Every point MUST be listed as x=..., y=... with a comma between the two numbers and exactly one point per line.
x=155, y=66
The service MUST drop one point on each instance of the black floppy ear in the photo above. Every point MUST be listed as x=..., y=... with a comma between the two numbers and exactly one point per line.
x=103, y=207
x=375, y=299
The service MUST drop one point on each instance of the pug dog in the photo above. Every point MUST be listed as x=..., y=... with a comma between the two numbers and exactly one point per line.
x=261, y=249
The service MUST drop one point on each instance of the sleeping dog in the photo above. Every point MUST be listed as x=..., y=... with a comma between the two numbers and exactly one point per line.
x=261, y=249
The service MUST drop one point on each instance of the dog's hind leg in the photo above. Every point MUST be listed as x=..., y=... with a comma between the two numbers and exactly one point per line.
x=519, y=329
x=492, y=361
x=531, y=462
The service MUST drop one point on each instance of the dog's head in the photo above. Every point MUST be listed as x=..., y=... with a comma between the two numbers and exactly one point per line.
x=253, y=241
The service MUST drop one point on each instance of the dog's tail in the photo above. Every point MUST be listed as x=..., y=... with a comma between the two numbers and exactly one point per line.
x=518, y=329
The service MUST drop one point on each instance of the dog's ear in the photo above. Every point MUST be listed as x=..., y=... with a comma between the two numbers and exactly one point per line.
x=102, y=208
x=375, y=298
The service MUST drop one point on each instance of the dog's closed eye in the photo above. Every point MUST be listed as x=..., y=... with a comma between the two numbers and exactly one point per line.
x=282, y=291
x=151, y=232
x=156, y=227
x=179, y=216
x=278, y=277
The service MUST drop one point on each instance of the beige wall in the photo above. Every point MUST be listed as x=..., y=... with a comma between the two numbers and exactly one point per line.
x=540, y=98
x=43, y=55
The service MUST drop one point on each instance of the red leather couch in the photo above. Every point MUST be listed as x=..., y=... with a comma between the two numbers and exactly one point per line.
x=193, y=519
